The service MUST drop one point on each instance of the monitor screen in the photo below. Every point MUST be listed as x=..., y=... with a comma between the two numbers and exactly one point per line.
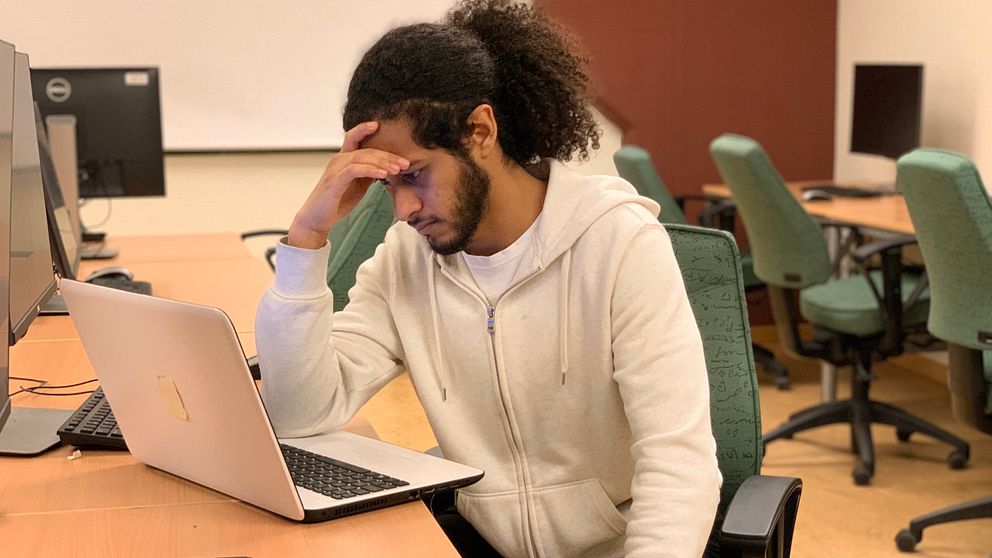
x=32, y=279
x=887, y=103
x=118, y=126
x=6, y=134
x=62, y=232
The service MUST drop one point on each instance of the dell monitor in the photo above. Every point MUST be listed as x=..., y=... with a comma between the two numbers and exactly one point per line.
x=887, y=103
x=31, y=277
x=6, y=135
x=118, y=126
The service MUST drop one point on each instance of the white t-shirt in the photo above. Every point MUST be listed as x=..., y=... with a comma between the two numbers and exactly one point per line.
x=494, y=273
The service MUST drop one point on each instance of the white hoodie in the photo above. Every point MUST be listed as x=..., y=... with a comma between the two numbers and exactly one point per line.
x=582, y=387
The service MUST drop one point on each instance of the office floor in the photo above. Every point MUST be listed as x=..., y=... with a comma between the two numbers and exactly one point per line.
x=836, y=518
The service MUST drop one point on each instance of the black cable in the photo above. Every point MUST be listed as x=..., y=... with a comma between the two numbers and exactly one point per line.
x=43, y=385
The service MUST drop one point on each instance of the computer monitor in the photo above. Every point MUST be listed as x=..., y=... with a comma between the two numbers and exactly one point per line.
x=62, y=232
x=6, y=136
x=118, y=126
x=887, y=104
x=31, y=276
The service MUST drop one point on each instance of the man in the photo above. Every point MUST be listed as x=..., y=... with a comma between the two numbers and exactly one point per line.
x=540, y=313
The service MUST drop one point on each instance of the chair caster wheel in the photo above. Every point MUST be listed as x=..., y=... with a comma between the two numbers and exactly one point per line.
x=906, y=541
x=782, y=383
x=903, y=435
x=862, y=475
x=957, y=459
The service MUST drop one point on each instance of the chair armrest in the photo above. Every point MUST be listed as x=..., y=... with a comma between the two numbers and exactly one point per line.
x=270, y=252
x=264, y=232
x=761, y=515
x=723, y=212
x=862, y=253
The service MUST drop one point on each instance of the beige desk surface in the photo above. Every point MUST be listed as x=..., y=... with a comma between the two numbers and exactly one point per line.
x=108, y=504
x=883, y=213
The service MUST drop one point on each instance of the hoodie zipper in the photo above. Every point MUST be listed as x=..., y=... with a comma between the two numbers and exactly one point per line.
x=515, y=443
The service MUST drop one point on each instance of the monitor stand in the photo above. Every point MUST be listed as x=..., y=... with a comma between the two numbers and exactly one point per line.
x=54, y=306
x=31, y=430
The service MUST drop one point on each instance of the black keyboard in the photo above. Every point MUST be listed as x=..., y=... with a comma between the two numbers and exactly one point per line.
x=334, y=478
x=850, y=191
x=93, y=425
x=123, y=284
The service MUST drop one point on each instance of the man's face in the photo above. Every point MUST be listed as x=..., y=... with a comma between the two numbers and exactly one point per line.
x=443, y=196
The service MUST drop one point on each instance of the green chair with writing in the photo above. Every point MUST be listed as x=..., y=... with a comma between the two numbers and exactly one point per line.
x=757, y=513
x=355, y=239
x=856, y=320
x=952, y=215
x=634, y=165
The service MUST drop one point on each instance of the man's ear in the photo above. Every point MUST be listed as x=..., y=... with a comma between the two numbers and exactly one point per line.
x=482, y=131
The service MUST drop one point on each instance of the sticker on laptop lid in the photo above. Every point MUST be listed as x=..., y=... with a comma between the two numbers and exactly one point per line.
x=136, y=79
x=170, y=395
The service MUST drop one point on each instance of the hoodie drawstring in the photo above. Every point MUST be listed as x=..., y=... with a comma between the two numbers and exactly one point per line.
x=566, y=265
x=442, y=373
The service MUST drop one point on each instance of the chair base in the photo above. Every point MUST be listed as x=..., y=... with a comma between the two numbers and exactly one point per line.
x=860, y=413
x=907, y=539
x=765, y=358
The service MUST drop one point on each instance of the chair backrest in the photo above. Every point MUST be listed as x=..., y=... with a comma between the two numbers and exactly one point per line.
x=710, y=267
x=635, y=166
x=356, y=240
x=788, y=246
x=952, y=215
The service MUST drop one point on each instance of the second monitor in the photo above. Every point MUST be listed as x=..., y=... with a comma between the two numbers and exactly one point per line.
x=118, y=126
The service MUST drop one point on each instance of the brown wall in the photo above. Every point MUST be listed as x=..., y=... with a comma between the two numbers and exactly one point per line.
x=674, y=74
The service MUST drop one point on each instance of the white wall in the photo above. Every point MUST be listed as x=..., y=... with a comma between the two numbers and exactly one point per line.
x=953, y=39
x=213, y=193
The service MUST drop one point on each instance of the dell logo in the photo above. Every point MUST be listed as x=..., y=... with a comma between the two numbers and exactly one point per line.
x=58, y=90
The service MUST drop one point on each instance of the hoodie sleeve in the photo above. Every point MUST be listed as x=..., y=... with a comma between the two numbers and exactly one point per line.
x=319, y=367
x=661, y=372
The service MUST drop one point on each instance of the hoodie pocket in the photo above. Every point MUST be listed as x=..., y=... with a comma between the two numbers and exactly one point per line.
x=575, y=518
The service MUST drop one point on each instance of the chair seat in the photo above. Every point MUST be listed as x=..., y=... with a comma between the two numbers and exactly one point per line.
x=848, y=305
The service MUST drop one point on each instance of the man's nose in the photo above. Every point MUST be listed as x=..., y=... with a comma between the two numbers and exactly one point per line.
x=406, y=204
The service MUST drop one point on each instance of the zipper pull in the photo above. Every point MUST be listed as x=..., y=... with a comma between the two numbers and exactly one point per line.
x=491, y=322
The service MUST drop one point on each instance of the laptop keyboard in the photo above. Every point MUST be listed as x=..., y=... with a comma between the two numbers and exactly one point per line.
x=334, y=478
x=93, y=425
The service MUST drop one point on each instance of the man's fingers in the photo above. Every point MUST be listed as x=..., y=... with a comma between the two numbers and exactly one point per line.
x=355, y=135
x=383, y=159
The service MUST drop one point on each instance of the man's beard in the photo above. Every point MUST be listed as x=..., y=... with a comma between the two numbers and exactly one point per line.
x=471, y=202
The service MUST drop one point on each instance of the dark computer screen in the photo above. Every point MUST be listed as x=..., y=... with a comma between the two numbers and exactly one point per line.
x=6, y=135
x=61, y=228
x=32, y=279
x=118, y=126
x=887, y=103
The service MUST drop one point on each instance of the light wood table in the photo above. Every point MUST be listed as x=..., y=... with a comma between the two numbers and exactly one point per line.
x=107, y=504
x=882, y=213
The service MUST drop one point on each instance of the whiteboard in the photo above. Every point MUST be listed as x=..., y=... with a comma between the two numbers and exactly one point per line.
x=235, y=75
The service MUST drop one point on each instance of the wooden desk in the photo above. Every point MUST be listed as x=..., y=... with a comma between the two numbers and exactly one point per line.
x=882, y=213
x=108, y=504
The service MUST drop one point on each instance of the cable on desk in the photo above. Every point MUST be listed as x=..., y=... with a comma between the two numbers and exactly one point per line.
x=43, y=385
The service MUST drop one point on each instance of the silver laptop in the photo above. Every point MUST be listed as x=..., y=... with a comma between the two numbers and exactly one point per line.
x=178, y=382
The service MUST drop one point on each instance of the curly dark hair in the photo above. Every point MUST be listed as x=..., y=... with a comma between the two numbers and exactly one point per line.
x=510, y=56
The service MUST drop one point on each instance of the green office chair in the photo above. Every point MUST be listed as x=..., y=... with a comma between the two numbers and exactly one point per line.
x=952, y=214
x=635, y=166
x=364, y=231
x=353, y=240
x=856, y=320
x=757, y=514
